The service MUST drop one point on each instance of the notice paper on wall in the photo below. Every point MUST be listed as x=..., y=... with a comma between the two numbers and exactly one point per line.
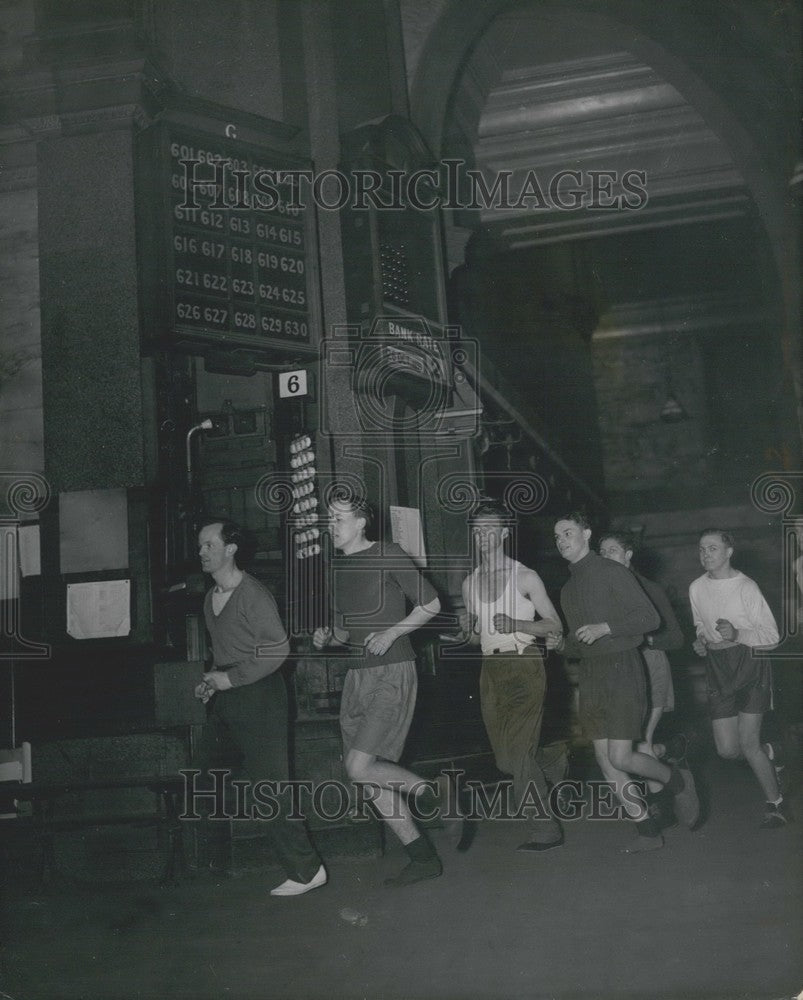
x=99, y=610
x=30, y=555
x=405, y=525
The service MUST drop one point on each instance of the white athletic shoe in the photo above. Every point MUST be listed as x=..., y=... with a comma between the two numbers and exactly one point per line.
x=291, y=888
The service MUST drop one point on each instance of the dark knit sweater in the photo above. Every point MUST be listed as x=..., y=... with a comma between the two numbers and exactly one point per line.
x=372, y=591
x=601, y=590
x=669, y=634
x=248, y=638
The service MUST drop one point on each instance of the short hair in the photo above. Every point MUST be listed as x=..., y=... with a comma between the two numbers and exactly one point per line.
x=578, y=516
x=357, y=503
x=624, y=538
x=726, y=536
x=232, y=534
x=487, y=507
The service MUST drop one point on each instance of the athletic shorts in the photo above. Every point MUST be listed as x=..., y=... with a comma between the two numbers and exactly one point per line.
x=659, y=675
x=377, y=707
x=737, y=682
x=613, y=698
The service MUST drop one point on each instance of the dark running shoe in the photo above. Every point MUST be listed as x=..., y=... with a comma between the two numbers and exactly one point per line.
x=660, y=810
x=676, y=749
x=775, y=816
x=687, y=805
x=538, y=846
x=416, y=871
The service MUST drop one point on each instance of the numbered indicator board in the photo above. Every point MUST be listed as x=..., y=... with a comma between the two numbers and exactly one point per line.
x=236, y=243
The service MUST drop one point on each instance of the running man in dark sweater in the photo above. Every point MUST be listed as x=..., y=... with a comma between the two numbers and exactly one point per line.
x=620, y=546
x=608, y=614
x=373, y=586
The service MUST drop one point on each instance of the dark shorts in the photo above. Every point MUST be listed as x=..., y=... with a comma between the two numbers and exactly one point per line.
x=659, y=674
x=737, y=682
x=377, y=707
x=613, y=698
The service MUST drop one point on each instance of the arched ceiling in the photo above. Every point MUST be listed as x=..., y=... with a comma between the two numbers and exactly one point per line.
x=539, y=95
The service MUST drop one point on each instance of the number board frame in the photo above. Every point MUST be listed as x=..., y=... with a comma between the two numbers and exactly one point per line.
x=207, y=284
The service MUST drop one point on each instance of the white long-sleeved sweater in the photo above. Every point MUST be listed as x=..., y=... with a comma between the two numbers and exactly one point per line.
x=738, y=600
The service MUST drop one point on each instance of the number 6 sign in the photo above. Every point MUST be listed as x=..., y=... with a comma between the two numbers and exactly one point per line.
x=293, y=384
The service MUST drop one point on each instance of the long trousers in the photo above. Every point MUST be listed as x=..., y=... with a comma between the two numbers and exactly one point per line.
x=512, y=690
x=247, y=727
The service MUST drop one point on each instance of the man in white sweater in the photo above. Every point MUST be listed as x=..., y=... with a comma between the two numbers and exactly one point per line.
x=733, y=623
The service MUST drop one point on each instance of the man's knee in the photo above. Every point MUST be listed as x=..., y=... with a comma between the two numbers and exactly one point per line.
x=620, y=756
x=355, y=771
x=358, y=767
x=726, y=738
x=728, y=749
x=749, y=744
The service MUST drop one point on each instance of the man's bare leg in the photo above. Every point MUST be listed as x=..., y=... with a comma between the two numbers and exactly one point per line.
x=749, y=728
x=738, y=737
x=649, y=838
x=646, y=746
x=394, y=783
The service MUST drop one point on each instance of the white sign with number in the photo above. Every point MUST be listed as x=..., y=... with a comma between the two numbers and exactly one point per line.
x=293, y=383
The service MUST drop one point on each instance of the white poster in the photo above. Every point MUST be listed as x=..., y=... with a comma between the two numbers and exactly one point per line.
x=29, y=549
x=405, y=524
x=99, y=610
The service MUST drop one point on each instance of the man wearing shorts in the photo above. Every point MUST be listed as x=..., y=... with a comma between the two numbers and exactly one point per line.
x=502, y=598
x=732, y=619
x=608, y=614
x=372, y=586
x=619, y=546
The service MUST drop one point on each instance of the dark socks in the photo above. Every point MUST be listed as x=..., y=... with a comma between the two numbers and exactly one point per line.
x=424, y=864
x=676, y=783
x=649, y=838
x=648, y=828
x=420, y=849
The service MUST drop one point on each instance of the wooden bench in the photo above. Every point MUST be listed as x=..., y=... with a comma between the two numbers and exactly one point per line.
x=168, y=791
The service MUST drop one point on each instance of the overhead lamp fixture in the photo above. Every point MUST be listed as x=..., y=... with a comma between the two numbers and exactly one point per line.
x=672, y=411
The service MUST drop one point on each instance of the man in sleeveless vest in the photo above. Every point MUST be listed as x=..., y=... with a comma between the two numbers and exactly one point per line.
x=502, y=599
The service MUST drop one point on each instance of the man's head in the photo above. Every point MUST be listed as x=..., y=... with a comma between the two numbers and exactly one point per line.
x=572, y=534
x=618, y=546
x=351, y=520
x=218, y=544
x=491, y=524
x=716, y=551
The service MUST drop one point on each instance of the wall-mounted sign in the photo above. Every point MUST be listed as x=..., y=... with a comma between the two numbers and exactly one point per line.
x=412, y=345
x=292, y=384
x=228, y=249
